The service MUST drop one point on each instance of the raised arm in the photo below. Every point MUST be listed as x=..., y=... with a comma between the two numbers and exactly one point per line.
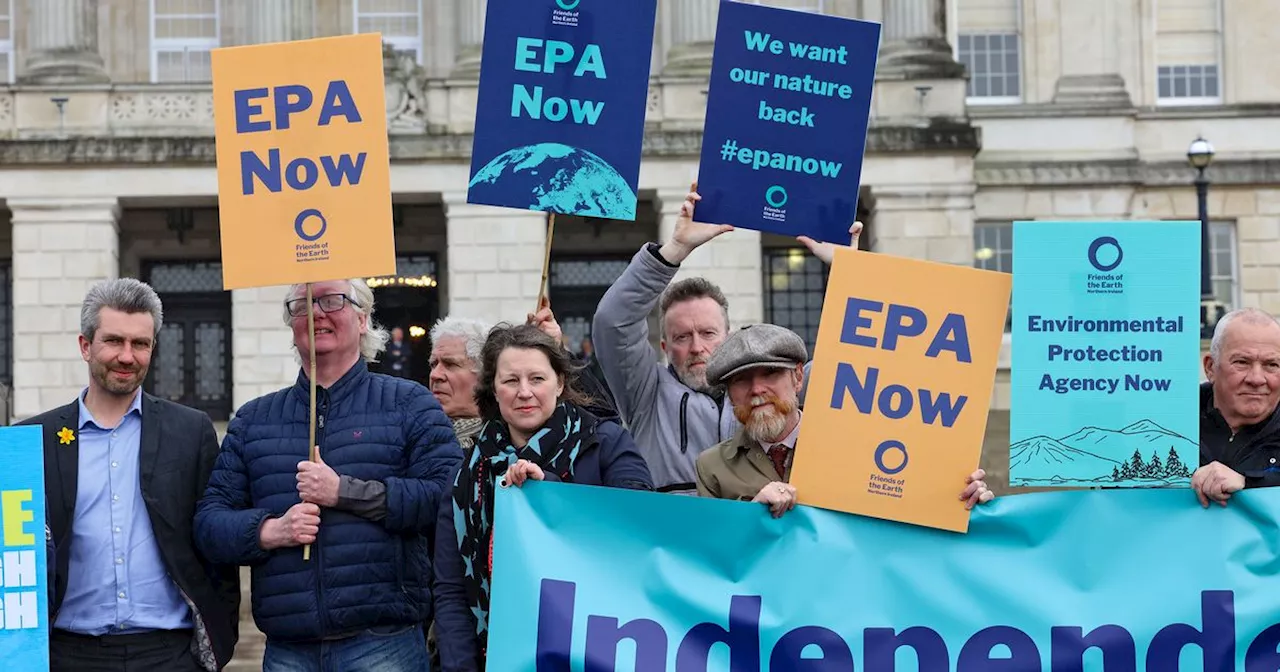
x=620, y=330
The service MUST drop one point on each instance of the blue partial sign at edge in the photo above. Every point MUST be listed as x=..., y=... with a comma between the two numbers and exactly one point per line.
x=679, y=561
x=22, y=468
x=782, y=200
x=562, y=166
x=1062, y=437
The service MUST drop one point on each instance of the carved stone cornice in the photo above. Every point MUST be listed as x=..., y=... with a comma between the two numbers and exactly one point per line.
x=199, y=150
x=1129, y=172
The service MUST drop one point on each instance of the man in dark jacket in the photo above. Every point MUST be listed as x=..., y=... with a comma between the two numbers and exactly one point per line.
x=1239, y=424
x=366, y=507
x=123, y=473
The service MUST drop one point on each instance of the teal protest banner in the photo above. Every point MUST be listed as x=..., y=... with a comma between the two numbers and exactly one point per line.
x=589, y=578
x=1105, y=337
x=24, y=608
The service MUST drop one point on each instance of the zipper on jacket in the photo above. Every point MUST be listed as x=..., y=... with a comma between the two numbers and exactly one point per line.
x=322, y=405
x=684, y=427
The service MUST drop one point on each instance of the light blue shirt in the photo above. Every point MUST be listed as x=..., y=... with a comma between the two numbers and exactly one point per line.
x=117, y=582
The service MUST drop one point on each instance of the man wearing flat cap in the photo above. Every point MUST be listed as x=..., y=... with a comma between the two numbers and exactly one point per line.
x=762, y=367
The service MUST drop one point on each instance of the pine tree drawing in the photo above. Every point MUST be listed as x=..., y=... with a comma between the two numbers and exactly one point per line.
x=1154, y=468
x=1173, y=466
x=1136, y=468
x=1126, y=471
x=1115, y=473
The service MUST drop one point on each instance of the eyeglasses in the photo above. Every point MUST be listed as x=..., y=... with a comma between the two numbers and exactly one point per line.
x=329, y=303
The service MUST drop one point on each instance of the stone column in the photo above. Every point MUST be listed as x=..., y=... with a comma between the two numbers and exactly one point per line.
x=932, y=221
x=469, y=15
x=62, y=41
x=267, y=21
x=1090, y=57
x=61, y=246
x=913, y=44
x=732, y=261
x=262, y=356
x=693, y=33
x=494, y=259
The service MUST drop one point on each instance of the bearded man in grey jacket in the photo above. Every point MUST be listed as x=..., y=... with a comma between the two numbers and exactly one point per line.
x=673, y=413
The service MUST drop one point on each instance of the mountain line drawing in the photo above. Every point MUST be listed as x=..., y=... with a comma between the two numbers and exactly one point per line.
x=1141, y=454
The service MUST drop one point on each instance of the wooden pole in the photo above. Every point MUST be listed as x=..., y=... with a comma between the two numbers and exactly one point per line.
x=311, y=420
x=546, y=261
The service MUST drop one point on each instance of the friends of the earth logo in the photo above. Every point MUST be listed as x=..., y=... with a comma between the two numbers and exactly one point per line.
x=567, y=14
x=1105, y=255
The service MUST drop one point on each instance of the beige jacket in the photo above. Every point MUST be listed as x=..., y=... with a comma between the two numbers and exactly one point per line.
x=737, y=469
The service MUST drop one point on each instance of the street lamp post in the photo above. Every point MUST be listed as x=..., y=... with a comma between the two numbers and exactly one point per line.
x=1200, y=155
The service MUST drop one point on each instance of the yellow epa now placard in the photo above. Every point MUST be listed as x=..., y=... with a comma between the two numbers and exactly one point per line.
x=896, y=405
x=304, y=168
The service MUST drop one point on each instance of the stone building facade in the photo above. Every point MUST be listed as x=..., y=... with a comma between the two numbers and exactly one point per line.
x=985, y=112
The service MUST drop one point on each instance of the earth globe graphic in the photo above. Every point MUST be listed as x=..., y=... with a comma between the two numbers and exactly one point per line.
x=555, y=178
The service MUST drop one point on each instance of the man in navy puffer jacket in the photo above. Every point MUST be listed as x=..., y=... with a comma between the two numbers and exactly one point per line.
x=367, y=506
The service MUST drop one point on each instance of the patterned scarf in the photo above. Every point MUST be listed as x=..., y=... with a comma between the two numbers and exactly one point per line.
x=554, y=448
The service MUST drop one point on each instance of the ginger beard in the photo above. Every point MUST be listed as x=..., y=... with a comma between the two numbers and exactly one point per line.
x=765, y=418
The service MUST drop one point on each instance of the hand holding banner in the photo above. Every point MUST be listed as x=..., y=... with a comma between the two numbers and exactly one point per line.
x=304, y=172
x=604, y=579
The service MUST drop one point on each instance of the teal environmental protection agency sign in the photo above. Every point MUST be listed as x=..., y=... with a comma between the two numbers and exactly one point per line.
x=599, y=579
x=1104, y=377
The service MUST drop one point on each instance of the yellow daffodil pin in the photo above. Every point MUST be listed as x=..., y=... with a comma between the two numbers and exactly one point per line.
x=66, y=436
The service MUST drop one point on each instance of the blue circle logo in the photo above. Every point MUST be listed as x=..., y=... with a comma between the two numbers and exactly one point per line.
x=300, y=228
x=775, y=196
x=568, y=4
x=884, y=448
x=1097, y=245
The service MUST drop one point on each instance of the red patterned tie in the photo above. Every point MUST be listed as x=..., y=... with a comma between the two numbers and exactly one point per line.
x=778, y=454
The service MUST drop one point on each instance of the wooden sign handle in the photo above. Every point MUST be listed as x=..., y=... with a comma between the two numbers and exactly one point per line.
x=311, y=419
x=546, y=262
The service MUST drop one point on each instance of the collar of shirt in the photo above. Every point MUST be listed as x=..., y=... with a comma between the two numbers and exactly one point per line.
x=790, y=440
x=86, y=416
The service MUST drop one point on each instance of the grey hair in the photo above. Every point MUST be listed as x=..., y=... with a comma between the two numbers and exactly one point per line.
x=1248, y=315
x=688, y=290
x=127, y=295
x=472, y=332
x=374, y=340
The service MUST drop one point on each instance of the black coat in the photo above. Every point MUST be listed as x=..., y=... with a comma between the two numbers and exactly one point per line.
x=177, y=450
x=1254, y=451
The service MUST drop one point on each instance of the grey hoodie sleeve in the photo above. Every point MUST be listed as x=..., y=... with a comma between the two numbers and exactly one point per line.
x=620, y=333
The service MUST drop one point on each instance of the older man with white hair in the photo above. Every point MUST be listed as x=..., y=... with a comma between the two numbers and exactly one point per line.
x=455, y=367
x=1239, y=424
x=366, y=507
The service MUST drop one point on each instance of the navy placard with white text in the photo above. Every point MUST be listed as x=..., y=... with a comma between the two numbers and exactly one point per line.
x=786, y=121
x=560, y=114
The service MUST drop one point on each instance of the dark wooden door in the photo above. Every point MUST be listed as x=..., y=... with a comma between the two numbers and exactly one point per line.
x=191, y=364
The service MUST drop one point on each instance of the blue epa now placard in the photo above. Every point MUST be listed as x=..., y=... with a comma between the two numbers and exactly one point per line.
x=786, y=121
x=1104, y=377
x=560, y=114
x=24, y=586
